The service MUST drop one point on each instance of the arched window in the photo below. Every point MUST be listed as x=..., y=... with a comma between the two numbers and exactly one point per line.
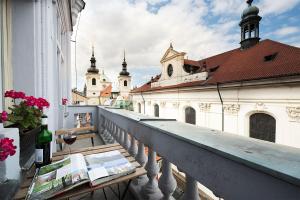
x=156, y=110
x=125, y=83
x=263, y=127
x=139, y=108
x=93, y=81
x=190, y=115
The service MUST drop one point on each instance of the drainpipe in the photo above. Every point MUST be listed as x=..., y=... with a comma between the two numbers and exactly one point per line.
x=144, y=103
x=222, y=106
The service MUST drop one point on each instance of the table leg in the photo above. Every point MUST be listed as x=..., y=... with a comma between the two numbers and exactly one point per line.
x=104, y=194
x=126, y=189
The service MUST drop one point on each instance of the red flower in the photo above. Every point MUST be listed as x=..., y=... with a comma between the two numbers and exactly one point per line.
x=42, y=103
x=15, y=95
x=6, y=148
x=4, y=116
x=30, y=100
x=64, y=101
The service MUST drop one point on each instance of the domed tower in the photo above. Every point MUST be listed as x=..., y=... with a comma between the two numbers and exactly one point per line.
x=250, y=26
x=124, y=80
x=92, y=79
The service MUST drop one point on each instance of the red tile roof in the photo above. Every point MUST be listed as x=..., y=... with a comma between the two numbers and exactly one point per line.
x=106, y=92
x=244, y=65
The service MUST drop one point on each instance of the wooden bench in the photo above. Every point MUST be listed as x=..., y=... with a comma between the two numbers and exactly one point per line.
x=81, y=133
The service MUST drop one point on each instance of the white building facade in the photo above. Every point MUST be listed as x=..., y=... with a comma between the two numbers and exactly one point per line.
x=252, y=91
x=35, y=57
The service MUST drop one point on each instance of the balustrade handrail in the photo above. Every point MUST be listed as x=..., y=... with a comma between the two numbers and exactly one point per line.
x=232, y=166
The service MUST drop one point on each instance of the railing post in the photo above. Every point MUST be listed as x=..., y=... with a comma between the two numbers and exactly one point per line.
x=150, y=190
x=133, y=147
x=167, y=182
x=191, y=189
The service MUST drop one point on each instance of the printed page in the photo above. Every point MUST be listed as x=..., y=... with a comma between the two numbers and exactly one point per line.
x=107, y=164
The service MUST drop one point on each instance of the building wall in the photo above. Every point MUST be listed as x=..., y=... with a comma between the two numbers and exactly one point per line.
x=239, y=104
x=124, y=90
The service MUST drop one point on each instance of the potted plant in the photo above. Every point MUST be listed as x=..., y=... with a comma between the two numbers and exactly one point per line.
x=25, y=114
x=6, y=149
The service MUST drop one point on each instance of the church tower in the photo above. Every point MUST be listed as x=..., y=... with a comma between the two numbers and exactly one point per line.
x=93, y=86
x=250, y=26
x=124, y=80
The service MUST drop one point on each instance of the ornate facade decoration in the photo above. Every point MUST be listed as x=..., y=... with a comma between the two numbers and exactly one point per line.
x=232, y=108
x=260, y=106
x=162, y=103
x=149, y=103
x=176, y=104
x=293, y=113
x=204, y=107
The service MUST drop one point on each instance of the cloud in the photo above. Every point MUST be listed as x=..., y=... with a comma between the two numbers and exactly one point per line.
x=115, y=25
x=271, y=7
x=285, y=31
x=199, y=27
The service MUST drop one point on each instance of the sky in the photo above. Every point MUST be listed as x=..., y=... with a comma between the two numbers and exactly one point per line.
x=145, y=29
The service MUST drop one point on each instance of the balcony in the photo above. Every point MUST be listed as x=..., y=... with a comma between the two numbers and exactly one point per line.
x=231, y=166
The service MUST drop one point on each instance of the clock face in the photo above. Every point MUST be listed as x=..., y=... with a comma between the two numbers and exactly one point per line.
x=170, y=70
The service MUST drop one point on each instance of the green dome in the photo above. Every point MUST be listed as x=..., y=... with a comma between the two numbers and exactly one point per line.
x=250, y=11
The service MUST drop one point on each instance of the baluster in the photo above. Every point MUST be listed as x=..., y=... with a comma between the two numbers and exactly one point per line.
x=133, y=147
x=167, y=182
x=191, y=189
x=117, y=133
x=142, y=160
x=126, y=140
x=121, y=132
x=151, y=190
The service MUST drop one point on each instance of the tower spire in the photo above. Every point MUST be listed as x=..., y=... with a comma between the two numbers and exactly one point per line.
x=250, y=26
x=124, y=67
x=93, y=68
x=124, y=56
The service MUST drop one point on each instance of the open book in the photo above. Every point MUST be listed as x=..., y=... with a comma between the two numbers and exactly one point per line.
x=75, y=170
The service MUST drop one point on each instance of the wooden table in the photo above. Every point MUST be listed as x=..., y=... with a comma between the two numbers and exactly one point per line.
x=21, y=194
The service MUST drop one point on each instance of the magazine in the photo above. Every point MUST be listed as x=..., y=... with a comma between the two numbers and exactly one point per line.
x=75, y=170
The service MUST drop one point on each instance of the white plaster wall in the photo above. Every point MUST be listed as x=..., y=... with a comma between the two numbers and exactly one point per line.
x=271, y=100
x=124, y=90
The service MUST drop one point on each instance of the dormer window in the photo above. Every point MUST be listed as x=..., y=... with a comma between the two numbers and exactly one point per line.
x=270, y=57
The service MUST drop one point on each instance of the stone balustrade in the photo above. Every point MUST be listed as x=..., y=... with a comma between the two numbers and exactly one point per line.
x=231, y=166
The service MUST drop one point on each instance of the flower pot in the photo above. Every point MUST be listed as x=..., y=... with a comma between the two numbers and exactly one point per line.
x=3, y=178
x=27, y=146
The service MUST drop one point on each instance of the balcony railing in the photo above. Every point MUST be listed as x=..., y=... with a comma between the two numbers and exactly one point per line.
x=232, y=166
